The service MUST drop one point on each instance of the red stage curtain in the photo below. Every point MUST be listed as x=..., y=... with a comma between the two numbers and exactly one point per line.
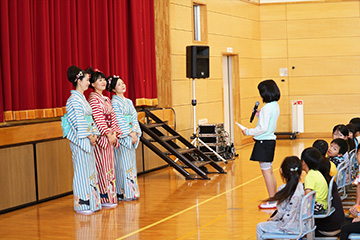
x=40, y=39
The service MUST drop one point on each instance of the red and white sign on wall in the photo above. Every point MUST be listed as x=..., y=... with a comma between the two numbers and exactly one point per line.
x=297, y=107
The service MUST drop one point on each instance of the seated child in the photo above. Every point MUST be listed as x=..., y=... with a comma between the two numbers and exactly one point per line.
x=342, y=131
x=331, y=225
x=337, y=149
x=323, y=146
x=288, y=198
x=314, y=180
x=352, y=141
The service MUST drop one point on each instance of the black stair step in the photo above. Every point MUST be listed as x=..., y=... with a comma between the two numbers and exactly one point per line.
x=196, y=163
x=169, y=138
x=164, y=138
x=182, y=151
x=154, y=125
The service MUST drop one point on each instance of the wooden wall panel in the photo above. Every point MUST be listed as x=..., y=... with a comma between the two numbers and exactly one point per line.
x=182, y=92
x=30, y=133
x=54, y=168
x=247, y=48
x=323, y=28
x=274, y=48
x=235, y=8
x=233, y=25
x=271, y=67
x=162, y=49
x=215, y=90
x=179, y=72
x=325, y=85
x=324, y=47
x=274, y=12
x=248, y=88
x=323, y=10
x=215, y=62
x=17, y=176
x=183, y=12
x=324, y=123
x=324, y=66
x=273, y=30
x=328, y=104
x=183, y=117
x=151, y=159
x=249, y=68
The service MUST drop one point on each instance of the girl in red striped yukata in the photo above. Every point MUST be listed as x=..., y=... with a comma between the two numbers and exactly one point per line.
x=105, y=119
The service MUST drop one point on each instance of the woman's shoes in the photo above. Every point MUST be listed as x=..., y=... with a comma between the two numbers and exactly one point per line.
x=85, y=212
x=108, y=205
x=267, y=205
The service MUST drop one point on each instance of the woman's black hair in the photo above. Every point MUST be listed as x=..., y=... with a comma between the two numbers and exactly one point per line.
x=74, y=74
x=291, y=169
x=324, y=168
x=321, y=145
x=269, y=91
x=311, y=156
x=111, y=82
x=95, y=75
x=342, y=144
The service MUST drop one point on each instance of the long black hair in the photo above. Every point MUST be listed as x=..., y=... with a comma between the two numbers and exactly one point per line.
x=324, y=168
x=291, y=169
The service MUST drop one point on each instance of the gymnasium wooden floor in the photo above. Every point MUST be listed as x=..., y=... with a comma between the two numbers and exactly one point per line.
x=169, y=207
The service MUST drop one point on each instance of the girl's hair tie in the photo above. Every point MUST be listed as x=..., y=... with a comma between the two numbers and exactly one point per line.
x=116, y=76
x=293, y=169
x=80, y=74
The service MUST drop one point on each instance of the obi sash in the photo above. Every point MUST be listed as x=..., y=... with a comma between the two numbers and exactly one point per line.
x=90, y=123
x=128, y=121
x=108, y=120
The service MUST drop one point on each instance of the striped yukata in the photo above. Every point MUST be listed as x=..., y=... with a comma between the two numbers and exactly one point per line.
x=85, y=182
x=105, y=120
x=125, y=159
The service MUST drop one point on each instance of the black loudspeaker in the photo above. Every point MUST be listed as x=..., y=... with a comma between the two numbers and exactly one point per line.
x=197, y=61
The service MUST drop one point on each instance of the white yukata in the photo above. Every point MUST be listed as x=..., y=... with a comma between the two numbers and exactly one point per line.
x=125, y=158
x=85, y=181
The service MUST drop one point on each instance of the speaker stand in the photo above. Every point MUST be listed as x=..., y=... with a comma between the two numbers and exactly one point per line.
x=195, y=136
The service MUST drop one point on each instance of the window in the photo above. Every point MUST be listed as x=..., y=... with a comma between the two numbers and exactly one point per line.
x=200, y=22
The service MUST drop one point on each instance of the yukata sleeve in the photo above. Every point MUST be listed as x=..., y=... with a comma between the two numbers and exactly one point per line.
x=134, y=118
x=99, y=117
x=77, y=120
x=263, y=123
x=124, y=139
x=136, y=126
x=114, y=124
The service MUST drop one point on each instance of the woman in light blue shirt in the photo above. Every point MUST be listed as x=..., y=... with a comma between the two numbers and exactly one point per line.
x=264, y=135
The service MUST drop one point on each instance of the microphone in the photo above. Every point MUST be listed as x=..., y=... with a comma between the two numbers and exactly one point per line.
x=254, y=111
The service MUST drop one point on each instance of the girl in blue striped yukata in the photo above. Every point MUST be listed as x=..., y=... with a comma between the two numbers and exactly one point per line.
x=82, y=133
x=125, y=159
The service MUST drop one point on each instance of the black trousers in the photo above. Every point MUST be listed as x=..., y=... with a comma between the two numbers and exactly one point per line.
x=349, y=228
